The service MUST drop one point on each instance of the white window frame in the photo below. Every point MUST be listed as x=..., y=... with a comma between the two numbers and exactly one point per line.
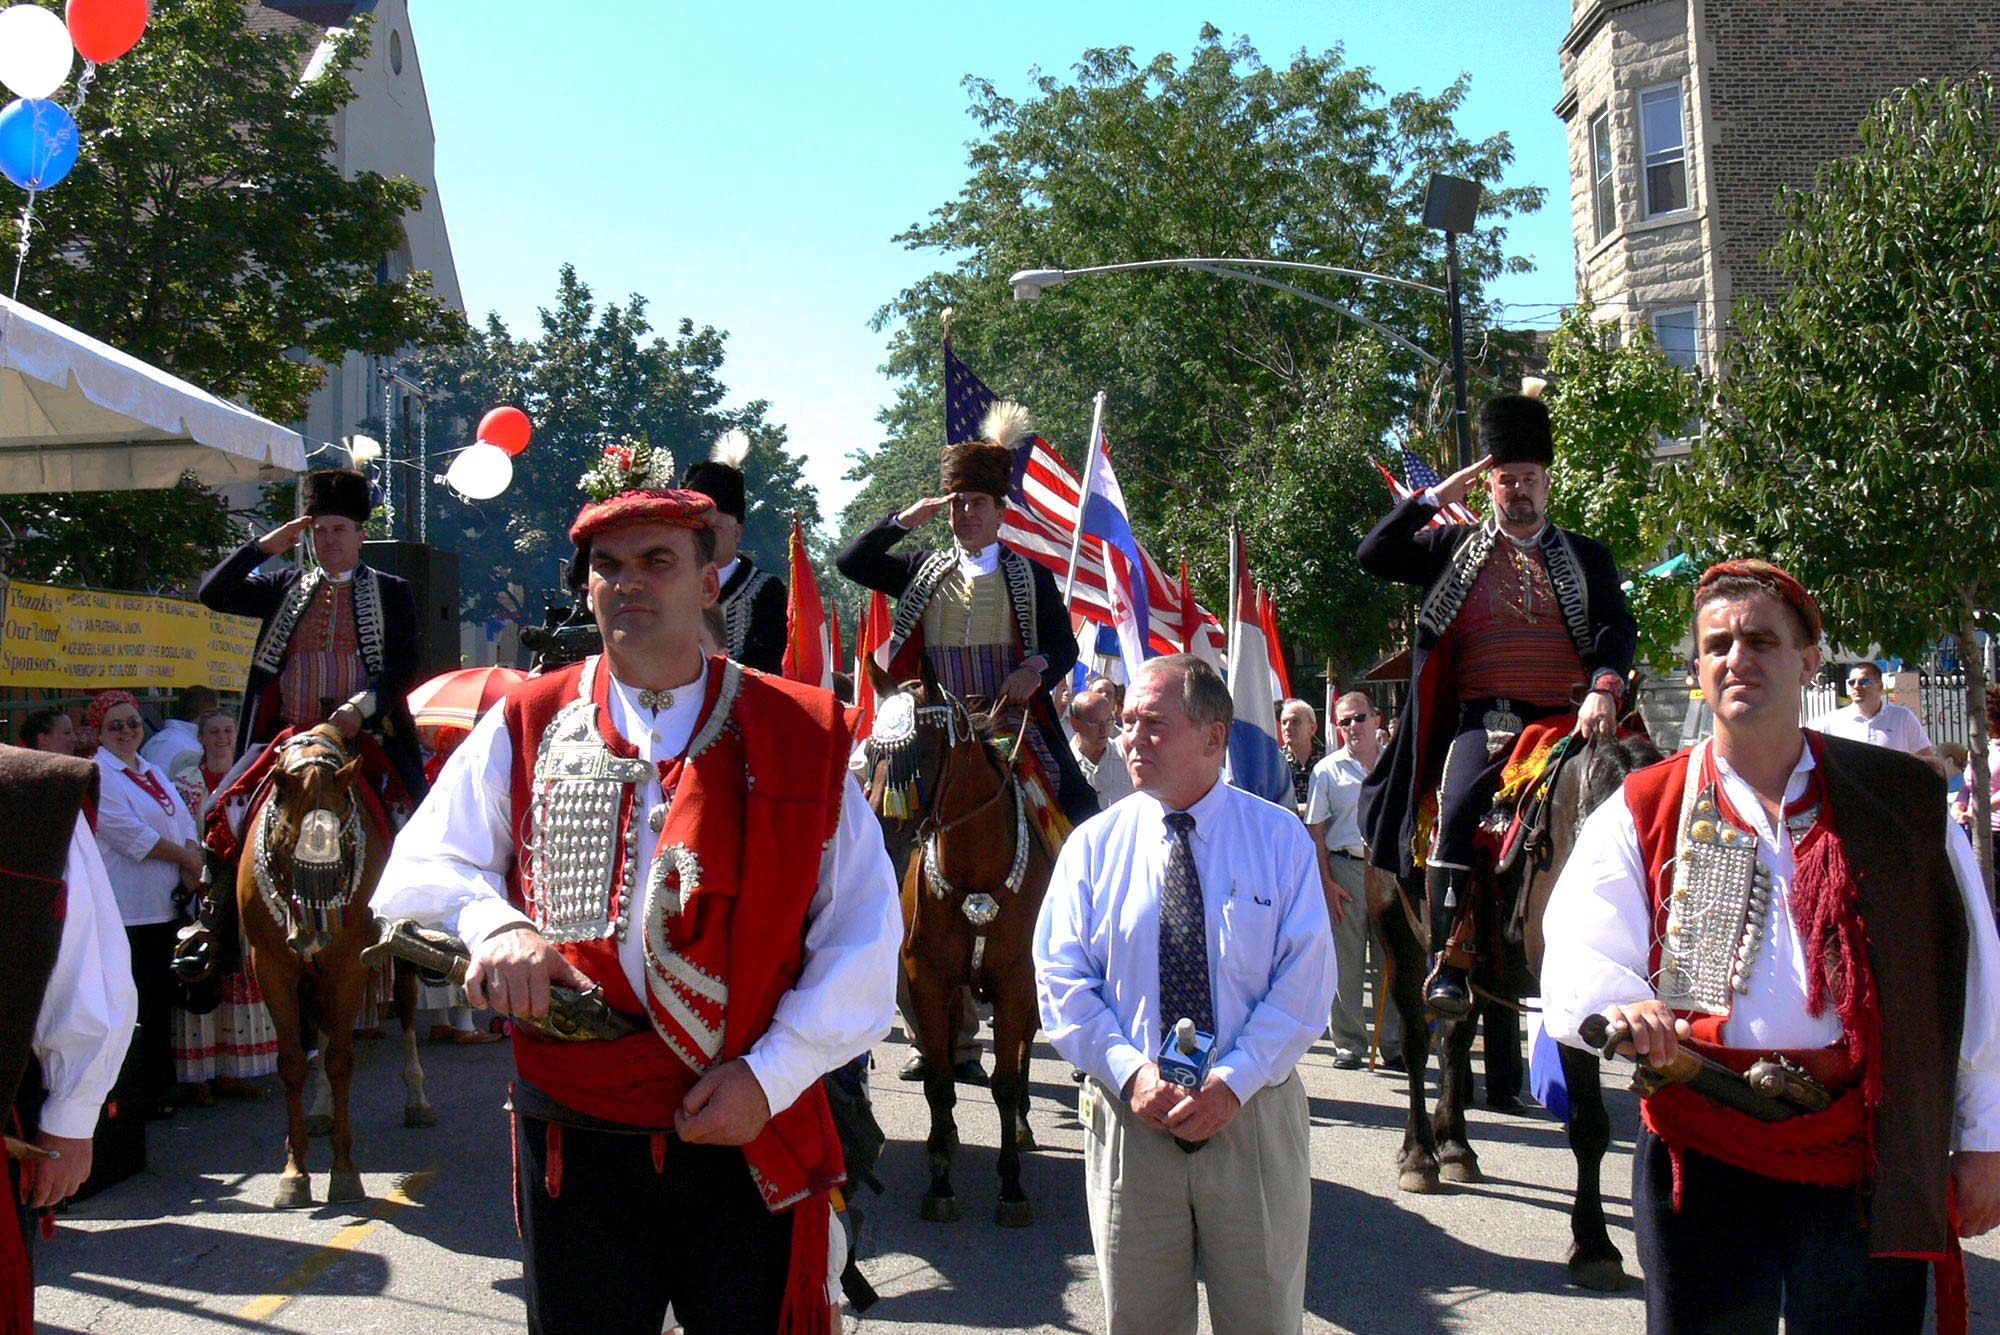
x=1603, y=176
x=1693, y=314
x=1677, y=155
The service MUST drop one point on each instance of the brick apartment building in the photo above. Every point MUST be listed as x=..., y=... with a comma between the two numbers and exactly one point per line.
x=1685, y=117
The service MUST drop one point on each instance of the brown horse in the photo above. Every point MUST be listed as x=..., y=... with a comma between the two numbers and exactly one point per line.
x=1509, y=931
x=312, y=854
x=973, y=871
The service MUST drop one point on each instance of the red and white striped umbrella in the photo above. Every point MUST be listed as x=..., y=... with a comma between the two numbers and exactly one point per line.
x=456, y=699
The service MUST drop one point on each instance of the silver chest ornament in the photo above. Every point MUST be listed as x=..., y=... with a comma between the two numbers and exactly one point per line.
x=325, y=871
x=581, y=791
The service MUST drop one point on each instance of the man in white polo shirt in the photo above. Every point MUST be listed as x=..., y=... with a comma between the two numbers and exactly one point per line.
x=1333, y=815
x=1876, y=720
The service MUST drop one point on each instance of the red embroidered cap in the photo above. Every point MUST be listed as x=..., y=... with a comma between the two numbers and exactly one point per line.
x=1774, y=578
x=103, y=703
x=648, y=505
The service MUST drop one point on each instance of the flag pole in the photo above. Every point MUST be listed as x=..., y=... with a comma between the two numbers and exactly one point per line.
x=1235, y=575
x=1083, y=494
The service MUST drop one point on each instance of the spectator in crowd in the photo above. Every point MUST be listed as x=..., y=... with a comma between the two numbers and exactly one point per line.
x=1092, y=721
x=181, y=736
x=1333, y=815
x=147, y=837
x=1962, y=807
x=1298, y=738
x=1876, y=720
x=50, y=730
x=1193, y=900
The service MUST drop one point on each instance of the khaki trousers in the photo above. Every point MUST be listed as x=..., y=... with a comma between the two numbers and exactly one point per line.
x=1239, y=1209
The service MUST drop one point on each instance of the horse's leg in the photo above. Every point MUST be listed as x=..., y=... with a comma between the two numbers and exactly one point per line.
x=416, y=1107
x=1594, y=1263
x=935, y=1002
x=278, y=978
x=1402, y=983
x=1014, y=1023
x=1457, y=1161
x=344, y=980
x=319, y=1116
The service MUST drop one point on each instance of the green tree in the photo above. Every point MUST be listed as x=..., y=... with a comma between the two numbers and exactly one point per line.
x=596, y=374
x=1853, y=439
x=1220, y=155
x=1610, y=402
x=207, y=229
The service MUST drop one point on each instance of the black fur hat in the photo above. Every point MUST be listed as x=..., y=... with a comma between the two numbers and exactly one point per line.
x=338, y=491
x=1514, y=429
x=720, y=476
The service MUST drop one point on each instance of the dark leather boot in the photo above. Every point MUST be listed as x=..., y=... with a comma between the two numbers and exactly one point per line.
x=1447, y=989
x=212, y=947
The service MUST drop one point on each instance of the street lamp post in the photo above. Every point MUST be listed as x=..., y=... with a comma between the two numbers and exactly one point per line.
x=1451, y=205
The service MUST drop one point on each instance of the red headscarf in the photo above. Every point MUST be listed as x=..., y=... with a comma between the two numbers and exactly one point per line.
x=102, y=704
x=1780, y=582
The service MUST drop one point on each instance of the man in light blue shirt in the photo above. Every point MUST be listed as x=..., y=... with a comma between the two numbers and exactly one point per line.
x=1190, y=899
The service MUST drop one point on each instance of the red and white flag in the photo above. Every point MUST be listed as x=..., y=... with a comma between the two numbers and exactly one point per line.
x=808, y=648
x=868, y=639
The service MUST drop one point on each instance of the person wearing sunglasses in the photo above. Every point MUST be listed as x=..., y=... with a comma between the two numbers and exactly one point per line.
x=1333, y=800
x=1870, y=716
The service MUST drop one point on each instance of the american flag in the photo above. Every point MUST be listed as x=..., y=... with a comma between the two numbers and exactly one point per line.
x=1422, y=477
x=1041, y=520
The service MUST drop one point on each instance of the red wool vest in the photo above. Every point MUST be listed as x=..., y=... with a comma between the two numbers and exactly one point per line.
x=751, y=809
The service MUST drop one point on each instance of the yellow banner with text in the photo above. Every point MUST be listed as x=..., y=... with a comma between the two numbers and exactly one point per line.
x=89, y=640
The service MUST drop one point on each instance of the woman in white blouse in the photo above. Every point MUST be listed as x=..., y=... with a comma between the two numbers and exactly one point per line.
x=148, y=838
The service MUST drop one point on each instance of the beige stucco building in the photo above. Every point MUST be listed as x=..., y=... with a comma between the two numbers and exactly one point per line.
x=1686, y=117
x=386, y=129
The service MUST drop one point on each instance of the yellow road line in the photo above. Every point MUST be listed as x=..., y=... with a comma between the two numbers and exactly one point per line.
x=310, y=1269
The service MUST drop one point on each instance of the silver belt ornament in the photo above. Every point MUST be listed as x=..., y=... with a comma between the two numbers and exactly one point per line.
x=1720, y=905
x=580, y=791
x=981, y=908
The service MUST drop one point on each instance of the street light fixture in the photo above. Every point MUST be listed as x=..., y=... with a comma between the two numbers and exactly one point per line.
x=1451, y=206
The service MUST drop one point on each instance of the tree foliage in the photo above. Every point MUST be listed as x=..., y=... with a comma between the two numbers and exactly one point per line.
x=595, y=374
x=1216, y=387
x=1854, y=437
x=207, y=229
x=1610, y=402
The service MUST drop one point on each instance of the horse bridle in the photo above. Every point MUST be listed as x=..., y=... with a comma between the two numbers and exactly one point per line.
x=314, y=898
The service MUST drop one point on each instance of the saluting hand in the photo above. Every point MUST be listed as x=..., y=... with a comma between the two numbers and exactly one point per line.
x=284, y=537
x=921, y=513
x=726, y=1107
x=513, y=969
x=1452, y=490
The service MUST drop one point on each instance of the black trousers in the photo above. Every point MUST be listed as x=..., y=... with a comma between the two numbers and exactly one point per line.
x=620, y=1239
x=152, y=948
x=1465, y=792
x=1745, y=1250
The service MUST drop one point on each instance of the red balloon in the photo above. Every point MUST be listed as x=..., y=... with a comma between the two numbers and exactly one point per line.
x=103, y=30
x=506, y=427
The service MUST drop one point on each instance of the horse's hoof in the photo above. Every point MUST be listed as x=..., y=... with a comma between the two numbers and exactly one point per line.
x=1014, y=1214
x=1601, y=1274
x=1418, y=1181
x=421, y=1115
x=293, y=1193
x=940, y=1209
x=319, y=1124
x=345, y=1187
x=1461, y=1170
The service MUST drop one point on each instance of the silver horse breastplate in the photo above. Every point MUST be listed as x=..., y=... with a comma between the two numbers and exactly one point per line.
x=575, y=826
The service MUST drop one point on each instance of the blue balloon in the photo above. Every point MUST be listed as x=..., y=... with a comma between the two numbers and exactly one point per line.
x=38, y=143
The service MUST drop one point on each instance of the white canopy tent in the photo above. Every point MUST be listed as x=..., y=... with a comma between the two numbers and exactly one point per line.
x=79, y=415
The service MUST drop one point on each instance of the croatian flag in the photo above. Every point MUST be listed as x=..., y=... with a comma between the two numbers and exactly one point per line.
x=1105, y=518
x=1256, y=764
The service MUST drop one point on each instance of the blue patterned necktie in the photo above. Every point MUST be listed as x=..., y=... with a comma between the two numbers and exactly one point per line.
x=1184, y=990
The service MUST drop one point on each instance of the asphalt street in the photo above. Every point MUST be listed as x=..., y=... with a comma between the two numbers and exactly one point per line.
x=193, y=1245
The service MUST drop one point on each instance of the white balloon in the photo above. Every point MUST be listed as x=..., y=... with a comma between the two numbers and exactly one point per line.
x=35, y=54
x=481, y=472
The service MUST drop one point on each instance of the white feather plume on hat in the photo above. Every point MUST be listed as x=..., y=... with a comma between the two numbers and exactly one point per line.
x=732, y=447
x=1004, y=424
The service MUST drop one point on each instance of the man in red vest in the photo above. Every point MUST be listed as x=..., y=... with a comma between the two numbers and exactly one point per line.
x=680, y=833
x=1774, y=892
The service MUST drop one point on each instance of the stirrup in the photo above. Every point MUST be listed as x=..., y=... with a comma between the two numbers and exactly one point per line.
x=195, y=954
x=1448, y=990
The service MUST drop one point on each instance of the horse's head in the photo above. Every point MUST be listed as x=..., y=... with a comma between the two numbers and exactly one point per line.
x=309, y=847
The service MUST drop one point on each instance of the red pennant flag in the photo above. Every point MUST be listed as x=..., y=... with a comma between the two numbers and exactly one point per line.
x=874, y=633
x=807, y=654
x=1267, y=616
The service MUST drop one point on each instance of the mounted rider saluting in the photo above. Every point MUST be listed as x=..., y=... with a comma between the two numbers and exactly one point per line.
x=338, y=645
x=1521, y=621
x=990, y=621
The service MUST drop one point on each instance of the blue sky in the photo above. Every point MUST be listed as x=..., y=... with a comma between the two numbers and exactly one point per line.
x=746, y=164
